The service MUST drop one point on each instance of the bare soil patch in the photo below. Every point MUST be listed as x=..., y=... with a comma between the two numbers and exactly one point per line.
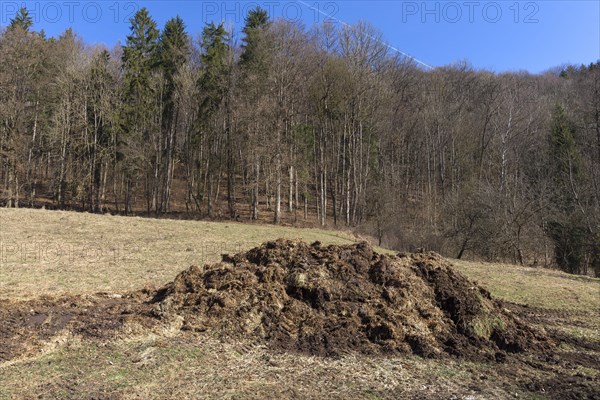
x=29, y=327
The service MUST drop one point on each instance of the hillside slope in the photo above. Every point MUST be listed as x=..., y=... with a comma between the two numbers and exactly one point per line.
x=54, y=264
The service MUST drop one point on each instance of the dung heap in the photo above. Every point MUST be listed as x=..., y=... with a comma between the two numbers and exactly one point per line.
x=330, y=300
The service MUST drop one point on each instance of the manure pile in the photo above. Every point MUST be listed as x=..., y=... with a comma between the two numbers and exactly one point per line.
x=335, y=299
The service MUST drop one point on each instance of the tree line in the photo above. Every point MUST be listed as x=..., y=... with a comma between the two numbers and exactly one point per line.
x=323, y=124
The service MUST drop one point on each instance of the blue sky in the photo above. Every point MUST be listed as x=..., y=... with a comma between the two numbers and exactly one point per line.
x=496, y=35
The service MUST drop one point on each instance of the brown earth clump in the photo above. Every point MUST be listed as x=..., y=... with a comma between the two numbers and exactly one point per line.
x=26, y=328
x=330, y=300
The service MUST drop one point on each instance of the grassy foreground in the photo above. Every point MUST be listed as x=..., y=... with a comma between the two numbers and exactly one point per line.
x=53, y=253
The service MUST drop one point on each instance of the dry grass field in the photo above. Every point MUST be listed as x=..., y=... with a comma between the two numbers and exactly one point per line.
x=48, y=254
x=54, y=252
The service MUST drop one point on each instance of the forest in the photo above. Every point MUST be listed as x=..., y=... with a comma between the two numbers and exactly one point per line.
x=323, y=125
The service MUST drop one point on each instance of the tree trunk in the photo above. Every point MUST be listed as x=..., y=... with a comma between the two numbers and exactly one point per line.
x=291, y=190
x=255, y=192
x=278, y=192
